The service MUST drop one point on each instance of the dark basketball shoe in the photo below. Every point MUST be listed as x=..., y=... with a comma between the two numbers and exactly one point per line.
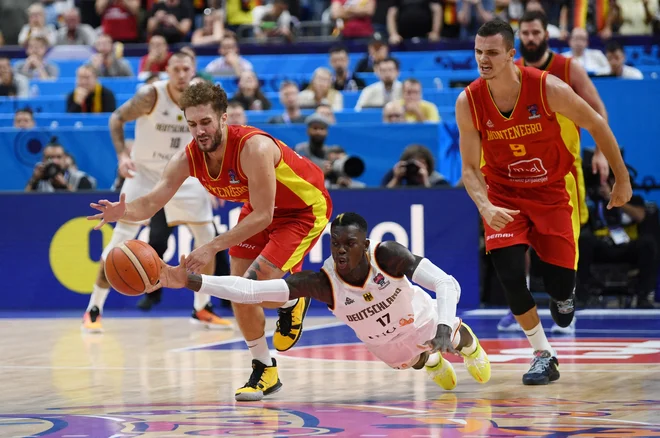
x=563, y=311
x=544, y=369
x=149, y=300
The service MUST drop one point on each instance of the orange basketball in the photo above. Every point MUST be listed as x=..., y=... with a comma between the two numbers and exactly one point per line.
x=132, y=267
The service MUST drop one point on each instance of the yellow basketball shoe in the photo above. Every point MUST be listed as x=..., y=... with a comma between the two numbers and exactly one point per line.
x=262, y=382
x=290, y=325
x=443, y=374
x=477, y=363
x=92, y=321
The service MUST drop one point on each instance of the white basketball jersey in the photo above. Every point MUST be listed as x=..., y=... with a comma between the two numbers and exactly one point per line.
x=385, y=308
x=161, y=133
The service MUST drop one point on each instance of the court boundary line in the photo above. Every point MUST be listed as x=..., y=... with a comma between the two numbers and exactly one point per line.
x=268, y=334
x=622, y=313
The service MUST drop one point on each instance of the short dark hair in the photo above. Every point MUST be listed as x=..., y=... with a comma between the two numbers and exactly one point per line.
x=182, y=54
x=25, y=109
x=613, y=46
x=418, y=151
x=203, y=93
x=286, y=83
x=498, y=26
x=337, y=48
x=390, y=59
x=346, y=219
x=530, y=16
x=412, y=81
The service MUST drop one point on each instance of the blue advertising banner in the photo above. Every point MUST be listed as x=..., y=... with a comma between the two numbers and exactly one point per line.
x=50, y=252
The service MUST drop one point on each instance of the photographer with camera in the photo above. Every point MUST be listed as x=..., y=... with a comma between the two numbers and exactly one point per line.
x=342, y=168
x=53, y=173
x=415, y=168
x=338, y=167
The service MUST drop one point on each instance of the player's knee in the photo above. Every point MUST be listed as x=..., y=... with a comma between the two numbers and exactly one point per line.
x=203, y=233
x=121, y=234
x=559, y=281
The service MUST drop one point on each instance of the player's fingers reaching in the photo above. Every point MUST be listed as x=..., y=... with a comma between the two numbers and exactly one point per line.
x=122, y=198
x=100, y=224
x=95, y=217
x=98, y=207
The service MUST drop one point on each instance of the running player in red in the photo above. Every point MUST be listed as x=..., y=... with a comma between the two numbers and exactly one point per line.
x=535, y=52
x=517, y=129
x=285, y=209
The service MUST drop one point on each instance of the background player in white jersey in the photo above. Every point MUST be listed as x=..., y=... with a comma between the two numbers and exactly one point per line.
x=369, y=288
x=160, y=131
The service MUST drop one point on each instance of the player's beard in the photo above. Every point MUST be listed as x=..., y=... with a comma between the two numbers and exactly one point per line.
x=535, y=53
x=215, y=143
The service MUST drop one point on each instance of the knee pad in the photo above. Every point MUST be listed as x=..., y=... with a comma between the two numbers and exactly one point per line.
x=121, y=234
x=509, y=265
x=559, y=282
x=202, y=233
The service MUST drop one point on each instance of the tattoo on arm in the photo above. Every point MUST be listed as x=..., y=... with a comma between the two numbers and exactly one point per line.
x=311, y=284
x=396, y=260
x=140, y=104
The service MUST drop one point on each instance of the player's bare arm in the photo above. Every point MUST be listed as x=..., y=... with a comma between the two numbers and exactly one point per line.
x=258, y=159
x=396, y=260
x=473, y=179
x=243, y=290
x=586, y=89
x=148, y=205
x=139, y=105
x=563, y=100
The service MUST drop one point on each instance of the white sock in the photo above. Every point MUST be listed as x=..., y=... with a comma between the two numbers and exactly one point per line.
x=289, y=303
x=433, y=360
x=259, y=350
x=468, y=349
x=537, y=339
x=97, y=298
x=201, y=300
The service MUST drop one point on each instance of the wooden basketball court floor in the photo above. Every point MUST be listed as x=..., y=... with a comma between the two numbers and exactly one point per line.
x=159, y=376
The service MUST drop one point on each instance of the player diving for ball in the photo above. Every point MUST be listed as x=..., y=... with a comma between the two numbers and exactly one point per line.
x=369, y=288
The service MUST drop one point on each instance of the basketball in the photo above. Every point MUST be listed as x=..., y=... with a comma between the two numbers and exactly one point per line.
x=132, y=267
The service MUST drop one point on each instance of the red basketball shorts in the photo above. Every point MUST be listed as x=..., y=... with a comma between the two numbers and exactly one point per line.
x=289, y=237
x=549, y=220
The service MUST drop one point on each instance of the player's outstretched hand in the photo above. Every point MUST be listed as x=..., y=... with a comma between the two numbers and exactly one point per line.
x=498, y=217
x=174, y=277
x=110, y=211
x=621, y=194
x=199, y=258
x=442, y=340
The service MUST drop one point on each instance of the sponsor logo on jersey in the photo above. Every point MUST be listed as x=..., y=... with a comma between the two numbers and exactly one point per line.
x=533, y=111
x=348, y=301
x=406, y=321
x=379, y=279
x=528, y=170
x=233, y=179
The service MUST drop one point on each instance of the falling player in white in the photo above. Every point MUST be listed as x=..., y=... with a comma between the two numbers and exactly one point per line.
x=160, y=131
x=369, y=288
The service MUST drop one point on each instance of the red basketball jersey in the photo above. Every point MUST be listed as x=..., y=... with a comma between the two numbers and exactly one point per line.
x=531, y=146
x=300, y=183
x=557, y=65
